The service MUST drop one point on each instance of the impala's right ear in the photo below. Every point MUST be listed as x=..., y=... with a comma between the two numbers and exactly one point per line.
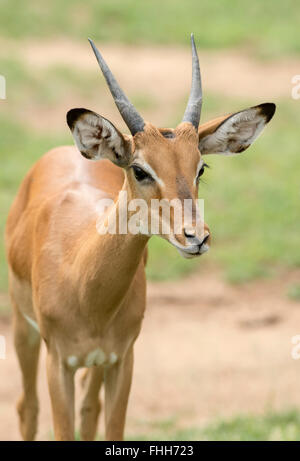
x=96, y=137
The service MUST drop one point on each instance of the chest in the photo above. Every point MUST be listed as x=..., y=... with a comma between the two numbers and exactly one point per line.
x=89, y=344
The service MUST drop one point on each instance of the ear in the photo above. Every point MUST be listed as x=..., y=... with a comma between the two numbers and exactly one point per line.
x=233, y=134
x=96, y=137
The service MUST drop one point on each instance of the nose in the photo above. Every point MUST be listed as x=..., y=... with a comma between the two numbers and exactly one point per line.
x=191, y=234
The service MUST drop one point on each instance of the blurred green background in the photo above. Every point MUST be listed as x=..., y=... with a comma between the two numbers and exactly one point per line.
x=251, y=202
x=270, y=27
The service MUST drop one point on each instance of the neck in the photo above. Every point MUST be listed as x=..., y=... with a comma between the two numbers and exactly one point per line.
x=107, y=263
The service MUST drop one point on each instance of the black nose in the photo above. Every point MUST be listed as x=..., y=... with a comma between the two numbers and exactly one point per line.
x=189, y=233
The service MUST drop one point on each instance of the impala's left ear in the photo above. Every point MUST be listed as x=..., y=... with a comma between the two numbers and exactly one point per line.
x=233, y=134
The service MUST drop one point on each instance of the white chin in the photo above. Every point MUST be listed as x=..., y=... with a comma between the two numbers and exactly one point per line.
x=187, y=255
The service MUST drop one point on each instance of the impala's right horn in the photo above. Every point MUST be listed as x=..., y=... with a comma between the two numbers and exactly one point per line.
x=128, y=112
x=194, y=105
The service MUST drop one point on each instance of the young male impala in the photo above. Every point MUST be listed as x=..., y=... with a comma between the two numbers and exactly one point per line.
x=84, y=292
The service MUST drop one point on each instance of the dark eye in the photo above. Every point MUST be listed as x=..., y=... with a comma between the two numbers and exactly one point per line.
x=140, y=174
x=201, y=171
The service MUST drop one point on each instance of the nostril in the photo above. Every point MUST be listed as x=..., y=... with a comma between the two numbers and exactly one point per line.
x=189, y=233
x=204, y=240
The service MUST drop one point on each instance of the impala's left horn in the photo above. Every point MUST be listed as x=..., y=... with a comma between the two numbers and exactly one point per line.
x=193, y=109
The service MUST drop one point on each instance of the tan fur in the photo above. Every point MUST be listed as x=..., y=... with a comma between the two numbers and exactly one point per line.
x=85, y=291
x=88, y=291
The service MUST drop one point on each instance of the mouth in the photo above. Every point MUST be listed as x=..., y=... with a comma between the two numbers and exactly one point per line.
x=193, y=253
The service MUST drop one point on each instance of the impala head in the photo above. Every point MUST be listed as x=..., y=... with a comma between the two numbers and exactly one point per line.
x=167, y=164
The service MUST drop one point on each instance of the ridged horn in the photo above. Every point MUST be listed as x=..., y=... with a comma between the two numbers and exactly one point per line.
x=194, y=105
x=128, y=112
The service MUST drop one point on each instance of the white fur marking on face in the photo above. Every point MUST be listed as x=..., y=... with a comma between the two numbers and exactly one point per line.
x=143, y=164
x=96, y=357
x=199, y=166
x=72, y=361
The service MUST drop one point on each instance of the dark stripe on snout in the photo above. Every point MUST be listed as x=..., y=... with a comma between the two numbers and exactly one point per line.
x=182, y=187
x=183, y=192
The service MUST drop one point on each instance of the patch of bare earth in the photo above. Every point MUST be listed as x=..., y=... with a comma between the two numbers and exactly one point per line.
x=206, y=349
x=162, y=73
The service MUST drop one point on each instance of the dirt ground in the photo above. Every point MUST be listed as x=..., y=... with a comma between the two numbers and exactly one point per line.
x=157, y=73
x=206, y=350
x=229, y=72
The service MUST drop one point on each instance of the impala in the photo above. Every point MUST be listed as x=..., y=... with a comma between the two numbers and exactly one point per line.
x=84, y=292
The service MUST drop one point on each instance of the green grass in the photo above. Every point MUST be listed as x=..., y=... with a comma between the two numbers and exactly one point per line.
x=269, y=28
x=283, y=426
x=270, y=426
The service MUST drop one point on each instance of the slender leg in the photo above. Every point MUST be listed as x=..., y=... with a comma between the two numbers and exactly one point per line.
x=27, y=344
x=61, y=388
x=117, y=387
x=91, y=405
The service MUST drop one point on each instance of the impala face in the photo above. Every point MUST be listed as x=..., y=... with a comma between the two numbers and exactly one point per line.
x=166, y=165
x=165, y=171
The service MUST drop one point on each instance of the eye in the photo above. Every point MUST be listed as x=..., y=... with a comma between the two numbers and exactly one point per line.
x=201, y=171
x=140, y=174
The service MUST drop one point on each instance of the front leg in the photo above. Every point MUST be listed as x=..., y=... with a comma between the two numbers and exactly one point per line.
x=117, y=387
x=91, y=405
x=61, y=389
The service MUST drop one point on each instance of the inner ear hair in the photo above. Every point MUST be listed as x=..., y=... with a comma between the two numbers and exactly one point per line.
x=234, y=133
x=96, y=137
